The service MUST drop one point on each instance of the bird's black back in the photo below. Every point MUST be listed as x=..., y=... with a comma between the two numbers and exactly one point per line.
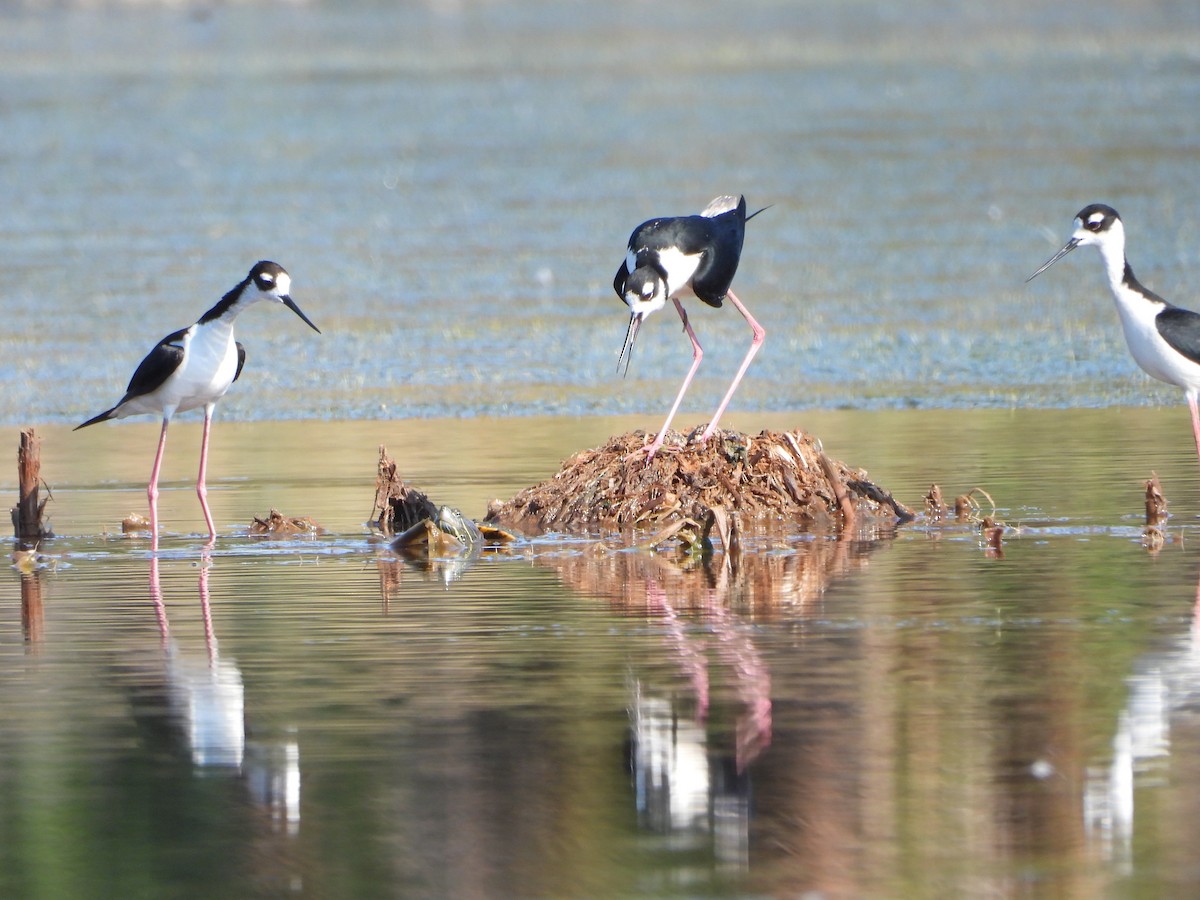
x=716, y=239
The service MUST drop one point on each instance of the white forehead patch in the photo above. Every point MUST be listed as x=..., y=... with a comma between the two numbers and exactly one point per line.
x=283, y=283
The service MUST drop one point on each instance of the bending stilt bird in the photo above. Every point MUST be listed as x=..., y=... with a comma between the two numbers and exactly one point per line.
x=194, y=367
x=1164, y=339
x=683, y=257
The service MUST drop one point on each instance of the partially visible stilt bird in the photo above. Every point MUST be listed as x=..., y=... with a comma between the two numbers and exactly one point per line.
x=682, y=257
x=1164, y=339
x=194, y=368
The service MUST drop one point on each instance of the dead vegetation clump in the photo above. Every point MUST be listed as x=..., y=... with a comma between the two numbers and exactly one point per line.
x=276, y=524
x=774, y=475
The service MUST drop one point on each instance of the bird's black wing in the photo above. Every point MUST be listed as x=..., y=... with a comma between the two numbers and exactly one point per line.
x=241, y=360
x=155, y=369
x=1181, y=329
x=159, y=364
x=719, y=262
x=623, y=273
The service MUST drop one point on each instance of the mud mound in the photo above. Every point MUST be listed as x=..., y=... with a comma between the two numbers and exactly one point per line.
x=775, y=475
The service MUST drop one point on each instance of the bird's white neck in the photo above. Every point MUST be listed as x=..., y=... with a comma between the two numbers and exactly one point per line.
x=1113, y=254
x=1138, y=308
x=219, y=329
x=1132, y=299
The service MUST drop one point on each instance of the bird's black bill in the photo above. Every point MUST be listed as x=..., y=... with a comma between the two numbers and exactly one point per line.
x=635, y=322
x=1067, y=248
x=291, y=304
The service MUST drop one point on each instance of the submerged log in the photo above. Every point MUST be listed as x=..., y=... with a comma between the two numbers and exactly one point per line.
x=27, y=514
x=779, y=476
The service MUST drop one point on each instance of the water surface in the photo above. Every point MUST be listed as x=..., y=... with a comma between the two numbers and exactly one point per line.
x=887, y=714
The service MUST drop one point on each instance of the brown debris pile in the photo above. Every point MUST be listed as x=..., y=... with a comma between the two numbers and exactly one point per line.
x=968, y=511
x=774, y=475
x=134, y=523
x=276, y=524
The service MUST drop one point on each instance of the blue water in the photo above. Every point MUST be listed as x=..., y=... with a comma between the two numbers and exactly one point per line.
x=451, y=187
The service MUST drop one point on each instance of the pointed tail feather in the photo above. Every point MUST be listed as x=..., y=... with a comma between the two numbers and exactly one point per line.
x=103, y=417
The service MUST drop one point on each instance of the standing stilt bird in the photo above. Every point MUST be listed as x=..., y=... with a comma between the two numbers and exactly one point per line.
x=194, y=367
x=1164, y=339
x=680, y=257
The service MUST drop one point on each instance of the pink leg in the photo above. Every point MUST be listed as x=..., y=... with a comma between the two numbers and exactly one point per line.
x=755, y=343
x=697, y=355
x=201, y=487
x=1191, y=398
x=152, y=488
x=210, y=637
x=156, y=595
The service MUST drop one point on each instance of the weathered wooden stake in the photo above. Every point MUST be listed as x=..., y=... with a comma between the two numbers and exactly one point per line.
x=27, y=514
x=399, y=506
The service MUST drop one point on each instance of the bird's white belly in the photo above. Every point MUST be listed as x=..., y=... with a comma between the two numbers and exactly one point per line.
x=209, y=366
x=1148, y=349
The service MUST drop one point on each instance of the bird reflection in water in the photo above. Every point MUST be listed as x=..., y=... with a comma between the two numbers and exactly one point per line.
x=1161, y=710
x=699, y=722
x=207, y=704
x=699, y=686
x=685, y=783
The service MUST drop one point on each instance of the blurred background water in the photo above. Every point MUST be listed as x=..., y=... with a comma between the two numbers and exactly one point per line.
x=451, y=186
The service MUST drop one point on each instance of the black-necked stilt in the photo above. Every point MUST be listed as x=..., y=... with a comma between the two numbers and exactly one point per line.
x=686, y=256
x=194, y=367
x=1164, y=339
